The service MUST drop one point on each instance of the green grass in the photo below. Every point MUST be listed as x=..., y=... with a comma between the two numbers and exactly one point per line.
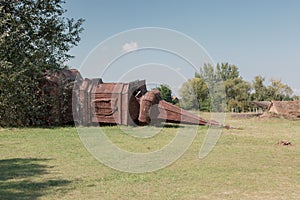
x=245, y=164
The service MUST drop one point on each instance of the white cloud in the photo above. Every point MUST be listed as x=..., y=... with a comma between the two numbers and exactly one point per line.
x=127, y=47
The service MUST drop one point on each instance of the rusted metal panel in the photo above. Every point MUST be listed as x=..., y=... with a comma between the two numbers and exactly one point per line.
x=126, y=104
x=111, y=103
x=154, y=109
x=136, y=89
x=107, y=101
x=174, y=114
x=105, y=111
x=148, y=110
x=83, y=105
x=56, y=91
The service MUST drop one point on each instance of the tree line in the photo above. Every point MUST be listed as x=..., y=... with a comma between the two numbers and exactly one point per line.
x=221, y=87
x=238, y=91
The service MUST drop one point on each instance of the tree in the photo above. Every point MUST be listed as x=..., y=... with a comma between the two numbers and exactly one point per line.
x=215, y=84
x=226, y=86
x=260, y=90
x=237, y=93
x=188, y=98
x=209, y=74
x=279, y=91
x=237, y=90
x=165, y=92
x=227, y=71
x=276, y=91
x=194, y=95
x=34, y=37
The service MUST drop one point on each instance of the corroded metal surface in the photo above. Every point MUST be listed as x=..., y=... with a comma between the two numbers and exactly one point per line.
x=131, y=104
x=55, y=90
x=153, y=108
x=109, y=103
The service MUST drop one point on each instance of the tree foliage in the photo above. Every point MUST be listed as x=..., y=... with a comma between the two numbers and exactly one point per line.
x=227, y=71
x=194, y=95
x=260, y=90
x=237, y=93
x=279, y=91
x=34, y=37
x=275, y=91
x=211, y=83
x=165, y=92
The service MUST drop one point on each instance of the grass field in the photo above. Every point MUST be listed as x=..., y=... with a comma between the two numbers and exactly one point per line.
x=245, y=164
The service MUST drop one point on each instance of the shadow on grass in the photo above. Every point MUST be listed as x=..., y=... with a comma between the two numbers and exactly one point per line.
x=16, y=179
x=168, y=125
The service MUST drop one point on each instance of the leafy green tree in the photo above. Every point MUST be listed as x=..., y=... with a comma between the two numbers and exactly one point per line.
x=194, y=95
x=279, y=91
x=188, y=98
x=237, y=93
x=215, y=84
x=276, y=91
x=237, y=90
x=209, y=74
x=165, y=93
x=260, y=90
x=225, y=78
x=227, y=71
x=34, y=37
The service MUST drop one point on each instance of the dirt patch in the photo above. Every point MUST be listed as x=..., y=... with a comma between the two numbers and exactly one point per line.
x=284, y=143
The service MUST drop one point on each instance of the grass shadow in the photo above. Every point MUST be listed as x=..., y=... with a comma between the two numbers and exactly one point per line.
x=168, y=125
x=17, y=178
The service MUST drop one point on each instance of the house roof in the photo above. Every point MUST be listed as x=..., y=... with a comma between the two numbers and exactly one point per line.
x=286, y=109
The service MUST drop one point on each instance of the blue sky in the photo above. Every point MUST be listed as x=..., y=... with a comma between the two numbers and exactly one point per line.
x=261, y=37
